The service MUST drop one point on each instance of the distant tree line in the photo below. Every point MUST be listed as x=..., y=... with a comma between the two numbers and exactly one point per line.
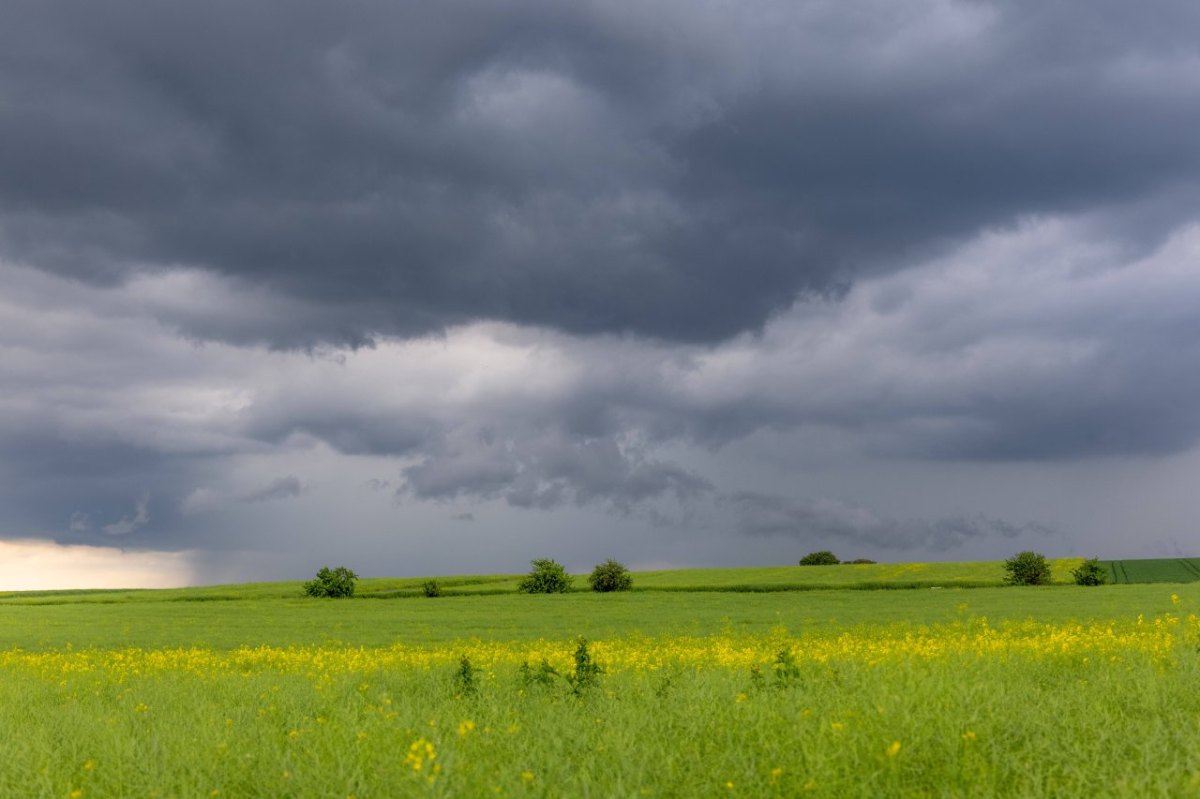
x=548, y=576
x=824, y=557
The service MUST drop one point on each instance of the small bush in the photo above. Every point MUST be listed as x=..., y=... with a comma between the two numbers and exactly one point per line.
x=547, y=577
x=1090, y=572
x=431, y=589
x=542, y=676
x=587, y=671
x=858, y=561
x=822, y=558
x=584, y=676
x=333, y=583
x=787, y=671
x=1027, y=568
x=466, y=678
x=610, y=576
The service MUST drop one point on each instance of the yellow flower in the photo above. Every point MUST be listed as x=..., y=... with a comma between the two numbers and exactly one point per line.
x=465, y=727
x=527, y=776
x=969, y=735
x=893, y=749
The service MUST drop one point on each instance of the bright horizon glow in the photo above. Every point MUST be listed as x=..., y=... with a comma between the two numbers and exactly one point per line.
x=40, y=566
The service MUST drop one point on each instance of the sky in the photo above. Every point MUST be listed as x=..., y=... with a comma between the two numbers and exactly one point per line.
x=442, y=289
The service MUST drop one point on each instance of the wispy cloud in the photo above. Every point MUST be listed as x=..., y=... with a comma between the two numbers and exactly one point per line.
x=127, y=524
x=832, y=520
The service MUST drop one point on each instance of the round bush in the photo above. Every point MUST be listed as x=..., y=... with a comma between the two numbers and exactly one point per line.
x=547, y=577
x=334, y=583
x=821, y=558
x=610, y=576
x=1090, y=572
x=1027, y=568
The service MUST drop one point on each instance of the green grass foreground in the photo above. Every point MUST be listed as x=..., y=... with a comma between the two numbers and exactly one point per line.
x=993, y=691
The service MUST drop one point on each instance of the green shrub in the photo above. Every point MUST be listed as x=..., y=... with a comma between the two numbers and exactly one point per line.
x=858, y=561
x=587, y=671
x=584, y=676
x=821, y=558
x=787, y=671
x=610, y=576
x=1090, y=572
x=466, y=678
x=547, y=577
x=333, y=583
x=1027, y=568
x=431, y=588
x=542, y=676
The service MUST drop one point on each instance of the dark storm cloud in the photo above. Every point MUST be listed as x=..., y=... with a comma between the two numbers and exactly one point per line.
x=657, y=168
x=1043, y=342
x=73, y=491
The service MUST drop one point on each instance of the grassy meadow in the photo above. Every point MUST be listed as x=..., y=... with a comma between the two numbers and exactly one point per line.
x=711, y=683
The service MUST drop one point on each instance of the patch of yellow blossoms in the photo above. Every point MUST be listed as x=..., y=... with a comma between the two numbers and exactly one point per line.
x=1159, y=639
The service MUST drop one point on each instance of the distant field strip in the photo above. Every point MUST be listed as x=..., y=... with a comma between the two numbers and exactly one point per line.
x=1158, y=570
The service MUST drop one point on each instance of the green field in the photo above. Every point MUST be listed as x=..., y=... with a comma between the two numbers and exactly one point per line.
x=514, y=617
x=744, y=682
x=1158, y=570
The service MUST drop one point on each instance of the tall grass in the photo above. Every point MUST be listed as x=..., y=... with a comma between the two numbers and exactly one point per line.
x=1057, y=690
x=959, y=710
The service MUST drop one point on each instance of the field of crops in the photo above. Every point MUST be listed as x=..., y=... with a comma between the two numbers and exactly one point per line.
x=1061, y=690
x=1158, y=570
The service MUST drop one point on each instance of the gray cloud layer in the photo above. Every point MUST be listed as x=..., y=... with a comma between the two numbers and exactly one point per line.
x=825, y=519
x=1044, y=342
x=657, y=168
x=599, y=254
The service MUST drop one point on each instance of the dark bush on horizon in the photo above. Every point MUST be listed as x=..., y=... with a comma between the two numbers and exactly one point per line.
x=1090, y=572
x=547, y=577
x=333, y=583
x=610, y=576
x=1027, y=568
x=858, y=561
x=822, y=558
